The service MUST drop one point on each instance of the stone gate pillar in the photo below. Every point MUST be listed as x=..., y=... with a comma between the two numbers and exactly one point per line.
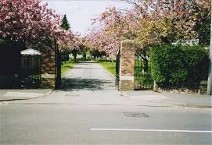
x=127, y=62
x=48, y=68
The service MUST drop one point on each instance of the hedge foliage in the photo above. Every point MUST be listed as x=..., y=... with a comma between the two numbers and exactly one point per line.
x=179, y=66
x=146, y=80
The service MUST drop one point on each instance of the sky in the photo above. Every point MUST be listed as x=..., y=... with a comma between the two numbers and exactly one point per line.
x=80, y=12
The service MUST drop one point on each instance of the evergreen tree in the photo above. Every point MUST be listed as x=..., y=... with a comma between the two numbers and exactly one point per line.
x=65, y=24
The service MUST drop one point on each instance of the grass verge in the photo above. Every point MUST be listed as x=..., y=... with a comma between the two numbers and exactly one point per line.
x=110, y=66
x=66, y=66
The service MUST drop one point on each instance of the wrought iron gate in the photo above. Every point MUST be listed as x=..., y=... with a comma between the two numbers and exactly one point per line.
x=142, y=75
x=58, y=67
x=30, y=75
x=138, y=72
x=117, y=68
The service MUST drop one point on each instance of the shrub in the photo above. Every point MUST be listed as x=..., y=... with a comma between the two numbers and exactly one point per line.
x=146, y=80
x=179, y=66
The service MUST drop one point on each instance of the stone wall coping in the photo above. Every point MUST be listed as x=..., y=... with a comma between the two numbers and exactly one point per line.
x=130, y=78
x=49, y=76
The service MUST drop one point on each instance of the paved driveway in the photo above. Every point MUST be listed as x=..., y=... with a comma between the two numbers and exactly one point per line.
x=86, y=83
x=88, y=76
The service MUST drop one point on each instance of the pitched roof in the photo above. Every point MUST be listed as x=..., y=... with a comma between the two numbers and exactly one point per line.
x=30, y=51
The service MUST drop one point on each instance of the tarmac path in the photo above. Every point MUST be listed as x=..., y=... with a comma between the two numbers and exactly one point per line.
x=88, y=76
x=86, y=84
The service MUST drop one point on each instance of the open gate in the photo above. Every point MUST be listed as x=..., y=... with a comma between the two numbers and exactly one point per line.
x=117, y=68
x=142, y=75
x=58, y=67
x=138, y=72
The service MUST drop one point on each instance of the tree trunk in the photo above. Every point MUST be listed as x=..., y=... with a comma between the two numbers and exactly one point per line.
x=84, y=56
x=75, y=57
x=155, y=87
x=145, y=65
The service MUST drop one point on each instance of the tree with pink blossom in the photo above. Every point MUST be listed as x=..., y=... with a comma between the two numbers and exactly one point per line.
x=30, y=22
x=151, y=22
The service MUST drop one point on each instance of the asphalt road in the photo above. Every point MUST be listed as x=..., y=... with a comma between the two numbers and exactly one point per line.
x=103, y=124
x=55, y=119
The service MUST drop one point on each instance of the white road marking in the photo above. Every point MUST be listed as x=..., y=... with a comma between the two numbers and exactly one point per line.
x=150, y=130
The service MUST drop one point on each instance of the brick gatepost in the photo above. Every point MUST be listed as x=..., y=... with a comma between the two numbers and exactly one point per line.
x=48, y=68
x=127, y=63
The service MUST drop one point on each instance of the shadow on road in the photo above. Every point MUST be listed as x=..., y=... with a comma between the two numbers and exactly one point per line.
x=85, y=84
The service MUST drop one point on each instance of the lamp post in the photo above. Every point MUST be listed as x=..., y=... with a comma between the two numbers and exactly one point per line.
x=209, y=86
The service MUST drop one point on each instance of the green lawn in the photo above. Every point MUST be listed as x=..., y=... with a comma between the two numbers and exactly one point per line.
x=110, y=66
x=66, y=66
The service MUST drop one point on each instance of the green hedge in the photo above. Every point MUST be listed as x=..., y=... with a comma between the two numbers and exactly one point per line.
x=179, y=66
x=146, y=80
